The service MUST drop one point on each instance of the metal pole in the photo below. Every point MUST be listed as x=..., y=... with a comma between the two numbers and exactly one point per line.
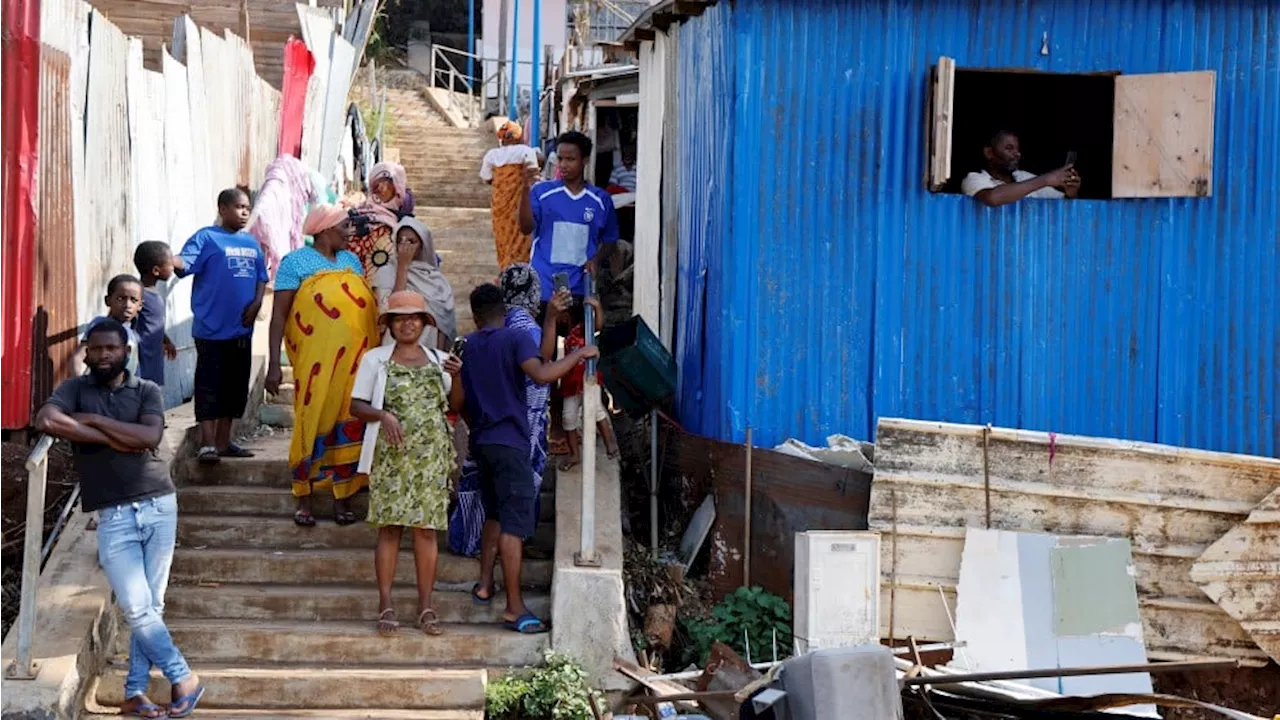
x=503, y=36
x=590, y=402
x=515, y=56
x=746, y=525
x=653, y=482
x=22, y=667
x=1160, y=667
x=471, y=41
x=535, y=107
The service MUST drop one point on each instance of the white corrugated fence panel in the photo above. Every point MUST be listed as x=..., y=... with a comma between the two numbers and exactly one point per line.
x=146, y=144
x=648, y=233
x=202, y=192
x=106, y=248
x=318, y=33
x=184, y=208
x=341, y=66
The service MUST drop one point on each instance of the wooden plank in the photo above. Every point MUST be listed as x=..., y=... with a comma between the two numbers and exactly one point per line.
x=1163, y=135
x=1241, y=573
x=942, y=106
x=931, y=482
x=648, y=227
x=342, y=66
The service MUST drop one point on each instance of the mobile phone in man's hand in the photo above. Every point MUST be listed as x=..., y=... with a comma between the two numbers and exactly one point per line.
x=560, y=280
x=1071, y=158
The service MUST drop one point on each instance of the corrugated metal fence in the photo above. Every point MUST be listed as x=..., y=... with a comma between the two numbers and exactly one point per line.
x=821, y=286
x=21, y=89
x=125, y=156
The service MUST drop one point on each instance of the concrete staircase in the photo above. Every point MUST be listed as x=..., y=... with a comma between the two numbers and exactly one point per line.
x=443, y=165
x=279, y=620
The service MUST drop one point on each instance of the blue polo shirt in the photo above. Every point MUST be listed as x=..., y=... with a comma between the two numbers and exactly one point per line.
x=494, y=385
x=227, y=267
x=568, y=230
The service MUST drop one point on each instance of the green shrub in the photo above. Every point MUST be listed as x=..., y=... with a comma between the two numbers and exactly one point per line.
x=556, y=691
x=753, y=613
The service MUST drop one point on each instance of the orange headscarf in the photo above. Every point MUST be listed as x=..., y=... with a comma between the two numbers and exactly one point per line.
x=321, y=218
x=510, y=131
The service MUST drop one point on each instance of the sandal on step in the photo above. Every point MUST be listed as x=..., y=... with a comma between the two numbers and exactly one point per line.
x=302, y=518
x=428, y=623
x=144, y=709
x=186, y=704
x=344, y=517
x=388, y=626
x=235, y=451
x=526, y=624
x=475, y=596
x=565, y=464
x=208, y=455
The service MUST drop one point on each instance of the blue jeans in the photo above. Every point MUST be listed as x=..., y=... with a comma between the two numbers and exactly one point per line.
x=135, y=547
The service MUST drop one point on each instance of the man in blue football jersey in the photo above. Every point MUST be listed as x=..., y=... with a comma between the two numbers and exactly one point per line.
x=573, y=222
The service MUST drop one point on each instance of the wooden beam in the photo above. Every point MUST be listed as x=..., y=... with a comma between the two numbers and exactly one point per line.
x=642, y=34
x=662, y=20
x=690, y=8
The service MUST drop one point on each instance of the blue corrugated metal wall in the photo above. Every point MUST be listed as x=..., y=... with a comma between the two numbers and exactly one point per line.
x=821, y=286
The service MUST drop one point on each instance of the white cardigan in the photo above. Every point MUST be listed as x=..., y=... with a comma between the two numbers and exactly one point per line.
x=371, y=386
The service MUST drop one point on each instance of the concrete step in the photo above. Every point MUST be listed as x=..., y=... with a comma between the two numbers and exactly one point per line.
x=278, y=502
x=301, y=687
x=326, y=567
x=335, y=643
x=325, y=714
x=227, y=532
x=326, y=603
x=438, y=217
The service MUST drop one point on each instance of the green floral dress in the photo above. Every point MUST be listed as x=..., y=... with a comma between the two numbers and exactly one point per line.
x=409, y=484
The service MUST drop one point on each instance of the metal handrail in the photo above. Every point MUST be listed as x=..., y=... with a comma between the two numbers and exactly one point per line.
x=23, y=667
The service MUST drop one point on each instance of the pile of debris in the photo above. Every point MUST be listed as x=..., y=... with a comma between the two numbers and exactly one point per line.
x=875, y=682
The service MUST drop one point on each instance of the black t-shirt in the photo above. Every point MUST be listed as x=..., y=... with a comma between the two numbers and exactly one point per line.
x=109, y=477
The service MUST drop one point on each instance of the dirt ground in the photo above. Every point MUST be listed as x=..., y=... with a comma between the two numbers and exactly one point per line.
x=62, y=478
x=1251, y=690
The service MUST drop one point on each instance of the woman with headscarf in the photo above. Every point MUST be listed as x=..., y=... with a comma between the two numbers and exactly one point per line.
x=522, y=294
x=415, y=266
x=327, y=316
x=389, y=200
x=504, y=168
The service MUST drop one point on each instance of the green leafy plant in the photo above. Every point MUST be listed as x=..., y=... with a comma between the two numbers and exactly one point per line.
x=556, y=691
x=747, y=615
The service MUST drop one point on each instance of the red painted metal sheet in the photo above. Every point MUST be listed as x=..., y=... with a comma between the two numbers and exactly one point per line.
x=298, y=66
x=54, y=340
x=20, y=137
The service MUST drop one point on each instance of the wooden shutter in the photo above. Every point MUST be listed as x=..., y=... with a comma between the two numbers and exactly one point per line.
x=942, y=107
x=1163, y=141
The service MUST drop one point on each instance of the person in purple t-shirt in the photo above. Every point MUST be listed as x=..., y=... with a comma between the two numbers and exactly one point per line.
x=496, y=361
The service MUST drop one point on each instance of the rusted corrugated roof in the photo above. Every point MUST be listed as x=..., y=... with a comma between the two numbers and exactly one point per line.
x=935, y=479
x=56, y=315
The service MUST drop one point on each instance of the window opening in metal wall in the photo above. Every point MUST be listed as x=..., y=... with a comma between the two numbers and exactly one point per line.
x=1131, y=136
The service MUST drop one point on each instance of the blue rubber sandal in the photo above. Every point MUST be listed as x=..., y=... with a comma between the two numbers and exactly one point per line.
x=475, y=596
x=147, y=710
x=526, y=624
x=186, y=704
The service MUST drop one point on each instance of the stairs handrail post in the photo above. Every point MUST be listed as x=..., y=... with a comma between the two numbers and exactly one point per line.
x=23, y=667
x=586, y=555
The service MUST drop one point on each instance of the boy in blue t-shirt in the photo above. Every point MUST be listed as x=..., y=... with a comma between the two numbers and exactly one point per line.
x=155, y=264
x=230, y=273
x=495, y=362
x=573, y=222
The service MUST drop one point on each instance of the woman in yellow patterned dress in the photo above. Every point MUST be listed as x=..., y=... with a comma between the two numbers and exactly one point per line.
x=326, y=315
x=504, y=168
x=403, y=392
